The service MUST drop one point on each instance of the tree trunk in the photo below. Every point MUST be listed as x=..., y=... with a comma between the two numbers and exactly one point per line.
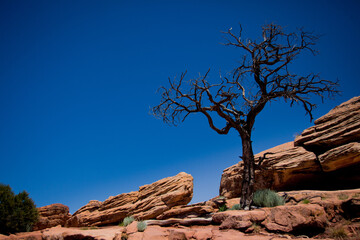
x=248, y=178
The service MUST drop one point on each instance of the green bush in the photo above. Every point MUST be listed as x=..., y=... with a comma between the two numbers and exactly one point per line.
x=141, y=226
x=267, y=198
x=235, y=207
x=128, y=220
x=223, y=208
x=18, y=213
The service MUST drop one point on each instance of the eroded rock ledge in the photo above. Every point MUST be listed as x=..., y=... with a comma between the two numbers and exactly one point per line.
x=149, y=202
x=325, y=157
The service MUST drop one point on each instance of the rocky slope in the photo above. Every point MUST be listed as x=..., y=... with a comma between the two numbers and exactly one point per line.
x=325, y=156
x=149, y=202
x=306, y=215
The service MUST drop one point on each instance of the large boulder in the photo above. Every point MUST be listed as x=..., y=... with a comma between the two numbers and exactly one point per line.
x=52, y=215
x=338, y=127
x=307, y=219
x=147, y=203
x=324, y=157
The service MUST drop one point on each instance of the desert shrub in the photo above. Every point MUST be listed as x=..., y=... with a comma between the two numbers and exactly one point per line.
x=356, y=195
x=18, y=213
x=141, y=226
x=256, y=228
x=338, y=233
x=128, y=220
x=305, y=201
x=343, y=196
x=267, y=198
x=235, y=207
x=223, y=208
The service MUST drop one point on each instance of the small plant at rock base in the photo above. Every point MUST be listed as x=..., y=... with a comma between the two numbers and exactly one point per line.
x=128, y=220
x=141, y=226
x=256, y=228
x=267, y=198
x=343, y=196
x=338, y=233
x=235, y=207
x=223, y=208
x=305, y=201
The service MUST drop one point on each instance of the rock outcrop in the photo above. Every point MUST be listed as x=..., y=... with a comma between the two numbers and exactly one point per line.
x=338, y=127
x=325, y=157
x=52, y=215
x=151, y=233
x=307, y=219
x=149, y=202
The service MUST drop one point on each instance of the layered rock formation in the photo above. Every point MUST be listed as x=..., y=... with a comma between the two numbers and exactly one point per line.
x=325, y=156
x=338, y=127
x=149, y=202
x=52, y=215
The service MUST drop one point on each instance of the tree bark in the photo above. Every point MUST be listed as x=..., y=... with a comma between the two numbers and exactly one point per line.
x=248, y=178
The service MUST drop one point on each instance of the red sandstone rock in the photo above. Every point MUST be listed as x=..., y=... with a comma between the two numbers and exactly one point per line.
x=338, y=127
x=149, y=202
x=291, y=218
x=343, y=156
x=52, y=215
x=325, y=156
x=284, y=166
x=187, y=211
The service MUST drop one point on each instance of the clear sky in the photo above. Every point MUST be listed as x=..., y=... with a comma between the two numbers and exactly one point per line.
x=77, y=80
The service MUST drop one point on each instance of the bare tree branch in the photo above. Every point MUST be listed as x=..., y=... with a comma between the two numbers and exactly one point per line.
x=263, y=75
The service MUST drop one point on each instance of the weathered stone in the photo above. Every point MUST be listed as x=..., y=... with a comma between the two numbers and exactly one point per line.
x=187, y=211
x=181, y=221
x=147, y=203
x=325, y=156
x=338, y=127
x=285, y=166
x=343, y=156
x=305, y=218
x=290, y=218
x=336, y=204
x=52, y=215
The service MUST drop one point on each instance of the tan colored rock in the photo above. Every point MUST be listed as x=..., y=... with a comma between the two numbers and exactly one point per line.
x=290, y=218
x=339, y=126
x=296, y=218
x=60, y=233
x=340, y=157
x=23, y=236
x=147, y=203
x=335, y=203
x=187, y=211
x=325, y=156
x=180, y=221
x=284, y=167
x=52, y=215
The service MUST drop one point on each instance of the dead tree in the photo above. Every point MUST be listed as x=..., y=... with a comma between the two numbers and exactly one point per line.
x=262, y=76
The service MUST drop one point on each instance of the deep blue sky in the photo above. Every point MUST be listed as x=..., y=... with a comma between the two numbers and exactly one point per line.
x=77, y=79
